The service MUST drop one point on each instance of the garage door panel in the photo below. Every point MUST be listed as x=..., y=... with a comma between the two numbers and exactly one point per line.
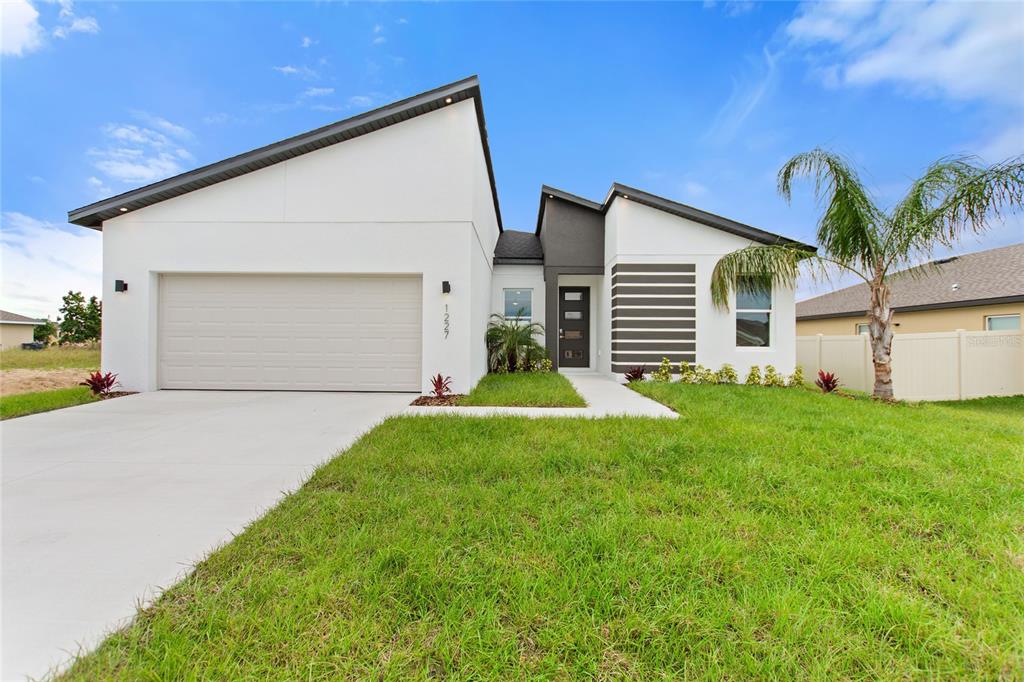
x=290, y=332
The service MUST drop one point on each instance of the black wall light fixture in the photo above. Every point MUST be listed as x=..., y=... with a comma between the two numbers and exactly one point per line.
x=446, y=287
x=120, y=285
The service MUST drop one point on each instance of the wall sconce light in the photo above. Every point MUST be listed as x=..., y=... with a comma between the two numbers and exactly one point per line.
x=120, y=285
x=446, y=287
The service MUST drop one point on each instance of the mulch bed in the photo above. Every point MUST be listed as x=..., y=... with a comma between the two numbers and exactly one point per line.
x=434, y=401
x=116, y=394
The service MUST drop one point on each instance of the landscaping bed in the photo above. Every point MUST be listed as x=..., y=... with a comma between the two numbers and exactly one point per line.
x=768, y=534
x=526, y=389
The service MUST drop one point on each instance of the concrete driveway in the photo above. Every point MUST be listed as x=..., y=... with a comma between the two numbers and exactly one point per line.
x=106, y=504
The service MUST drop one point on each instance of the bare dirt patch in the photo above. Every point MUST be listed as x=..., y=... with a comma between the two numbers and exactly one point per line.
x=14, y=381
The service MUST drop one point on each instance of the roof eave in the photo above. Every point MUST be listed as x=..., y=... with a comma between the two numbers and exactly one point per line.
x=971, y=303
x=95, y=213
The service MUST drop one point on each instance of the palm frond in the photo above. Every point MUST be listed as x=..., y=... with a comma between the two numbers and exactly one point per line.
x=764, y=265
x=848, y=231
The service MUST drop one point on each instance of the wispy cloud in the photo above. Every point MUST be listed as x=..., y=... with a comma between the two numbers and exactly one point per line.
x=318, y=92
x=99, y=187
x=20, y=30
x=379, y=39
x=70, y=22
x=307, y=42
x=745, y=97
x=43, y=261
x=140, y=154
x=303, y=72
x=732, y=8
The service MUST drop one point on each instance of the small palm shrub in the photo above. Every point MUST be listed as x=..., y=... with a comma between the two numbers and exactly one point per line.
x=664, y=372
x=99, y=383
x=511, y=346
x=635, y=374
x=726, y=375
x=826, y=381
x=753, y=376
x=796, y=379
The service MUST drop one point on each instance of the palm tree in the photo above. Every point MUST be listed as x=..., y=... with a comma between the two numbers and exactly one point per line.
x=511, y=345
x=955, y=196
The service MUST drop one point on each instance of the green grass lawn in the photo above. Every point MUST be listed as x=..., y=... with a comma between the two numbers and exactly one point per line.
x=54, y=357
x=532, y=389
x=22, y=404
x=768, y=533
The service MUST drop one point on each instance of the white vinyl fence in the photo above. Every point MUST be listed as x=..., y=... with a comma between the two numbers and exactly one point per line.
x=938, y=366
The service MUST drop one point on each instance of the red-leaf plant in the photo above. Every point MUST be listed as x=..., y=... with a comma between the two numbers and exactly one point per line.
x=635, y=374
x=442, y=385
x=99, y=383
x=826, y=381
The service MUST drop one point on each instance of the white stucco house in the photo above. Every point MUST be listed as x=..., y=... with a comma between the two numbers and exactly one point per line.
x=368, y=255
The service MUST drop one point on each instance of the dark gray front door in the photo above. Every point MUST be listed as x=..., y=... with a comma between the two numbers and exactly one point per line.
x=573, y=326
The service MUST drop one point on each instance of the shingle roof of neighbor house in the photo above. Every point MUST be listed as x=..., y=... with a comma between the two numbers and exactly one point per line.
x=15, y=318
x=518, y=247
x=94, y=214
x=985, y=277
x=667, y=205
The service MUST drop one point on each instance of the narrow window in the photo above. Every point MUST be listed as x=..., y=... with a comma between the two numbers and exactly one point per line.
x=519, y=304
x=1000, y=323
x=862, y=328
x=753, y=314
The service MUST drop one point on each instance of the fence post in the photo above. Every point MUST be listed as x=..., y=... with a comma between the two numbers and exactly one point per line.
x=817, y=354
x=961, y=362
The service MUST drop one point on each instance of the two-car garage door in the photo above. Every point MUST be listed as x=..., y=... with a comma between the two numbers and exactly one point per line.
x=290, y=332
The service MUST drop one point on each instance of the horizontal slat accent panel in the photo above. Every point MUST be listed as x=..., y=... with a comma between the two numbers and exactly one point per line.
x=670, y=301
x=653, y=336
x=652, y=360
x=619, y=313
x=653, y=267
x=655, y=324
x=650, y=366
x=657, y=346
x=653, y=279
x=654, y=290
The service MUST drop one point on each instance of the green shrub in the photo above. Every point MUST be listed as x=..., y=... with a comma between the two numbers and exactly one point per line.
x=796, y=379
x=704, y=375
x=686, y=374
x=772, y=377
x=543, y=366
x=727, y=375
x=664, y=372
x=753, y=376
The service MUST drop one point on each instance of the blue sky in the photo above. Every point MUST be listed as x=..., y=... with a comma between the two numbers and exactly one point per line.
x=699, y=102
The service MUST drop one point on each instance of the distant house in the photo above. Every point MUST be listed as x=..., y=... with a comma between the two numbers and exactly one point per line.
x=16, y=329
x=975, y=292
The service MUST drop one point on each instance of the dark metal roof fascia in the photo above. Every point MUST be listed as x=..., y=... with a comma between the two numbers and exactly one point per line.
x=918, y=308
x=94, y=214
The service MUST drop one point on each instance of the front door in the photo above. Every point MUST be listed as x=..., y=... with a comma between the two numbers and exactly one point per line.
x=574, y=326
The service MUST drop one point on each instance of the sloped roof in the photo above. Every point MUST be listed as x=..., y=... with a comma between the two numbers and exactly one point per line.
x=518, y=247
x=94, y=214
x=18, y=319
x=985, y=277
x=667, y=205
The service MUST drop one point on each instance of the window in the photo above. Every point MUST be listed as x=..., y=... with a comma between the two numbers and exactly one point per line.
x=862, y=328
x=519, y=304
x=1000, y=323
x=753, y=314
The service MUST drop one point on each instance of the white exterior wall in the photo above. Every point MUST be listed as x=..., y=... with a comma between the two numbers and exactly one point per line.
x=402, y=200
x=635, y=233
x=519, y=277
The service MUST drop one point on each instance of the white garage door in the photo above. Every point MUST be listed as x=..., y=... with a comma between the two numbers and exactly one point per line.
x=290, y=332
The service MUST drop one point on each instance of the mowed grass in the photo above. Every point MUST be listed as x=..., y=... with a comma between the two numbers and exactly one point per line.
x=768, y=533
x=22, y=404
x=528, y=389
x=54, y=357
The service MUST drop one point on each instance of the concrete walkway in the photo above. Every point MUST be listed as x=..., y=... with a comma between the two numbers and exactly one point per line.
x=605, y=397
x=106, y=504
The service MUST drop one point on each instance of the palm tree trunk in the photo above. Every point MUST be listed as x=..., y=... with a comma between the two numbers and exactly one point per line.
x=880, y=333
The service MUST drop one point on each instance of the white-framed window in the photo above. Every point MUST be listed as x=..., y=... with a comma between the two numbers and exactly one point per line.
x=863, y=328
x=753, y=314
x=1001, y=323
x=519, y=304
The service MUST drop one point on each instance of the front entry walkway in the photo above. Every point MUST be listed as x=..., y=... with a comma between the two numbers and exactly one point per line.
x=605, y=397
x=108, y=503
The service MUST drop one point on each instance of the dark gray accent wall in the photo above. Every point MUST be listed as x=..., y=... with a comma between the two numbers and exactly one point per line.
x=572, y=239
x=653, y=314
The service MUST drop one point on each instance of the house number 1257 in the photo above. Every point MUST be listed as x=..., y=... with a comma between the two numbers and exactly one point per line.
x=447, y=320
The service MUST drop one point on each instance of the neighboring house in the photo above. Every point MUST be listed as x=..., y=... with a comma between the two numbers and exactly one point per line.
x=975, y=292
x=368, y=255
x=16, y=329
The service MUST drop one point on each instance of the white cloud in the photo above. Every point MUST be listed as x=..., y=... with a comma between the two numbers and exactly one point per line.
x=377, y=28
x=1006, y=144
x=318, y=92
x=101, y=188
x=138, y=154
x=961, y=50
x=380, y=40
x=357, y=101
x=20, y=31
x=72, y=23
x=42, y=261
x=694, y=190
x=745, y=97
x=402, y=20
x=307, y=42
x=327, y=107
x=303, y=72
x=37, y=179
